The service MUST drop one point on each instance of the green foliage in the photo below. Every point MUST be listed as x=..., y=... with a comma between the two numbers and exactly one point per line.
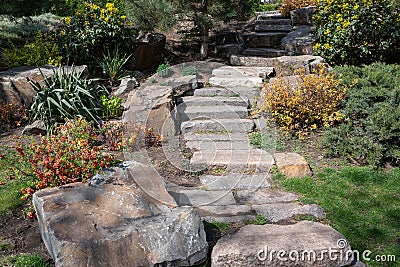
x=164, y=70
x=94, y=31
x=267, y=141
x=151, y=15
x=24, y=260
x=361, y=203
x=112, y=65
x=267, y=7
x=111, y=106
x=371, y=131
x=70, y=154
x=358, y=31
x=41, y=51
x=66, y=95
x=260, y=220
x=189, y=70
x=222, y=227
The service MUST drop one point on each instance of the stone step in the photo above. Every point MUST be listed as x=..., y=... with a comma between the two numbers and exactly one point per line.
x=236, y=181
x=273, y=22
x=219, y=145
x=199, y=197
x=227, y=213
x=229, y=71
x=269, y=15
x=234, y=159
x=218, y=126
x=265, y=52
x=283, y=211
x=211, y=112
x=243, y=92
x=193, y=137
x=263, y=39
x=272, y=28
x=212, y=101
x=236, y=81
x=264, y=196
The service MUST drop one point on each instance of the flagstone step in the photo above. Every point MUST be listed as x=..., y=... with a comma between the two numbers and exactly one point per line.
x=263, y=39
x=236, y=181
x=234, y=71
x=243, y=137
x=272, y=28
x=199, y=197
x=265, y=52
x=218, y=126
x=212, y=101
x=243, y=92
x=264, y=196
x=227, y=213
x=211, y=112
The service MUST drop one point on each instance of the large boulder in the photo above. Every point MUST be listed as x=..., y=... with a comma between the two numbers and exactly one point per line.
x=15, y=84
x=122, y=218
x=300, y=41
x=302, y=16
x=302, y=244
x=149, y=51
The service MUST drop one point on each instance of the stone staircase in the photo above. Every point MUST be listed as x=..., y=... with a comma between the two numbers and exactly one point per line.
x=215, y=124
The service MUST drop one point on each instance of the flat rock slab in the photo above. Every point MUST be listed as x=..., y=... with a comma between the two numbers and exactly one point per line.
x=255, y=158
x=242, y=137
x=263, y=39
x=218, y=126
x=211, y=112
x=258, y=245
x=229, y=71
x=292, y=164
x=265, y=52
x=211, y=145
x=264, y=196
x=94, y=224
x=283, y=211
x=198, y=197
x=242, y=92
x=212, y=101
x=236, y=81
x=236, y=181
x=229, y=213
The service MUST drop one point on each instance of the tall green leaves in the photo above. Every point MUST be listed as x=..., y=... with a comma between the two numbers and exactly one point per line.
x=66, y=95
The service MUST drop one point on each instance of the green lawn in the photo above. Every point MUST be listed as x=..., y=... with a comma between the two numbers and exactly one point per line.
x=362, y=203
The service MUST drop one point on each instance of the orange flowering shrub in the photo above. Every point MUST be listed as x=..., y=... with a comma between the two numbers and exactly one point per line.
x=289, y=5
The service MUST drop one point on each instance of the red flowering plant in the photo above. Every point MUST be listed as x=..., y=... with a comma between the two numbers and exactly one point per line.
x=70, y=154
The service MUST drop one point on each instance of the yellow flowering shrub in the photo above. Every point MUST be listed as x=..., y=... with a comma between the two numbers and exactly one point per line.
x=312, y=101
x=358, y=32
x=289, y=5
x=94, y=30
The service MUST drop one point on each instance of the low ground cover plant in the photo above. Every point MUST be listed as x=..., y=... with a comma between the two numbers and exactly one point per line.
x=371, y=131
x=312, y=102
x=12, y=116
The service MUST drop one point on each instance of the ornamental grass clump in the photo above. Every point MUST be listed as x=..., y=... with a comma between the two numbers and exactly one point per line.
x=312, y=102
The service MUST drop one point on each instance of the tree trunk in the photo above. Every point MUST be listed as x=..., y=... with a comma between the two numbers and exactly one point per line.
x=204, y=42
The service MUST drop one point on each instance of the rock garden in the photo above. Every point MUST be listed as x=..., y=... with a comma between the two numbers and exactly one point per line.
x=200, y=133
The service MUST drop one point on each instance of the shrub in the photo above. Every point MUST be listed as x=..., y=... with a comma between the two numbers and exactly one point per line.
x=66, y=95
x=164, y=70
x=310, y=103
x=12, y=115
x=68, y=155
x=93, y=31
x=358, y=31
x=289, y=5
x=112, y=66
x=189, y=70
x=371, y=131
x=43, y=50
x=111, y=106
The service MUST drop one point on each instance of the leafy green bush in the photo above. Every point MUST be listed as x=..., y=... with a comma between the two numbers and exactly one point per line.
x=112, y=66
x=267, y=7
x=43, y=50
x=66, y=95
x=358, y=31
x=164, y=70
x=93, y=31
x=371, y=131
x=111, y=106
x=189, y=70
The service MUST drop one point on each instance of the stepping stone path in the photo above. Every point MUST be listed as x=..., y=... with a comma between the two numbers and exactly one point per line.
x=215, y=123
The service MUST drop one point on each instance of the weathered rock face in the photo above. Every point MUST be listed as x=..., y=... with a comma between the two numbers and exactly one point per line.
x=149, y=51
x=259, y=245
x=15, y=86
x=119, y=219
x=302, y=16
x=300, y=41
